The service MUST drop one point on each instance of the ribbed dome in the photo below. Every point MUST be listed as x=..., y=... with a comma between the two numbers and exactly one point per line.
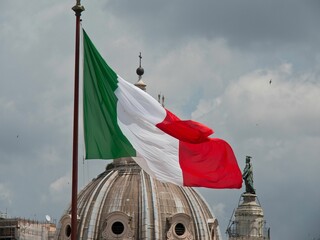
x=125, y=203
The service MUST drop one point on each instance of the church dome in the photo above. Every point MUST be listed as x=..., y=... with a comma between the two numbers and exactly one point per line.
x=124, y=202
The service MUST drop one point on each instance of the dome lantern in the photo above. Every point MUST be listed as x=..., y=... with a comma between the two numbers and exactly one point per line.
x=140, y=71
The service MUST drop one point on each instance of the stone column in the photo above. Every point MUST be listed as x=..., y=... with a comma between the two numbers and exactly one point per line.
x=248, y=221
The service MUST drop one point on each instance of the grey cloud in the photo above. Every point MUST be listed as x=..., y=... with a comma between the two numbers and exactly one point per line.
x=242, y=23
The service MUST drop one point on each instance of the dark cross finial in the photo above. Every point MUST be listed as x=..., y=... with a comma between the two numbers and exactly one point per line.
x=140, y=70
x=140, y=59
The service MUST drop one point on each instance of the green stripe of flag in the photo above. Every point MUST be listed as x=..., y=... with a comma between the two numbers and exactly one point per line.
x=103, y=137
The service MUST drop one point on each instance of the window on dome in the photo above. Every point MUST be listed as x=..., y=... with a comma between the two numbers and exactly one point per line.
x=117, y=228
x=117, y=225
x=179, y=229
x=67, y=230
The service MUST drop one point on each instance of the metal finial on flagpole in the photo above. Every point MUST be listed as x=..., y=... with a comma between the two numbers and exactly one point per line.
x=78, y=8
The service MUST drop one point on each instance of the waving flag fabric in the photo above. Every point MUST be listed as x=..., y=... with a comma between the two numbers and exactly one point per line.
x=121, y=120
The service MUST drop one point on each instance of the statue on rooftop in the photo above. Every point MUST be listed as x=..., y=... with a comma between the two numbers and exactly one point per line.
x=248, y=176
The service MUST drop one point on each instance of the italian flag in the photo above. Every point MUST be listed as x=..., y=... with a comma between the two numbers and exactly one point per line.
x=121, y=120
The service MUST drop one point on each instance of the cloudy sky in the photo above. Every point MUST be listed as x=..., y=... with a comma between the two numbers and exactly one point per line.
x=212, y=60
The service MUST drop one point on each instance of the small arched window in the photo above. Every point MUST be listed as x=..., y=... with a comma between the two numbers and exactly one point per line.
x=117, y=225
x=180, y=227
x=67, y=230
x=117, y=228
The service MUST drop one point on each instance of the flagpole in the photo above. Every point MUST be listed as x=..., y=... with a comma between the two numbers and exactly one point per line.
x=77, y=9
